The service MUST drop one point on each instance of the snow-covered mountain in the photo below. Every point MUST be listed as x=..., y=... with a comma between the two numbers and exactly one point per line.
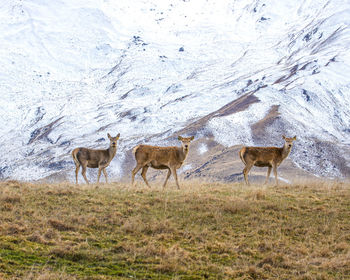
x=230, y=72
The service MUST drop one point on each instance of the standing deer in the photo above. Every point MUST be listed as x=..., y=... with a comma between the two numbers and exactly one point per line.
x=270, y=157
x=94, y=158
x=170, y=158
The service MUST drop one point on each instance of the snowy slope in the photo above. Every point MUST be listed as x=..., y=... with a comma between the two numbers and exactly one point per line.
x=75, y=70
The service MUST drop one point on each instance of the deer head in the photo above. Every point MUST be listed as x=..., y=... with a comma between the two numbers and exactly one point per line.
x=289, y=141
x=113, y=140
x=185, y=141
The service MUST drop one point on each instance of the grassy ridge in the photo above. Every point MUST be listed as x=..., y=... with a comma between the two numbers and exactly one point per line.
x=204, y=231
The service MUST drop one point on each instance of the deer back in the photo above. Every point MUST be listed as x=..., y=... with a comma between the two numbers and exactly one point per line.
x=163, y=155
x=262, y=154
x=93, y=157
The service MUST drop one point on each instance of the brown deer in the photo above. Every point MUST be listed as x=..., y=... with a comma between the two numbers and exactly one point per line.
x=94, y=159
x=170, y=158
x=270, y=157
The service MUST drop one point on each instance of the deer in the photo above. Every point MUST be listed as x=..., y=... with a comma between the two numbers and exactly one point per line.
x=270, y=157
x=170, y=158
x=91, y=158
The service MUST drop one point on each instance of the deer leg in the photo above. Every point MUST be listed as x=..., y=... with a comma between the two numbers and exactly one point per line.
x=143, y=174
x=99, y=174
x=173, y=170
x=167, y=177
x=133, y=173
x=105, y=173
x=76, y=173
x=246, y=171
x=268, y=174
x=275, y=172
x=83, y=172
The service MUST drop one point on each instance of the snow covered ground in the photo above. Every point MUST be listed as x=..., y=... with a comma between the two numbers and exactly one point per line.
x=74, y=70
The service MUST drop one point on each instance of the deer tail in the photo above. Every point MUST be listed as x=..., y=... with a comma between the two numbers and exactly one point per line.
x=75, y=156
x=241, y=155
x=135, y=149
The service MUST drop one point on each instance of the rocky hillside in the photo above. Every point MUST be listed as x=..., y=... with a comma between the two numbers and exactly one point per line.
x=229, y=73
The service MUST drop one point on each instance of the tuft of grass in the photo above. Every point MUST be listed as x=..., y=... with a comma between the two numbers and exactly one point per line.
x=59, y=225
x=203, y=231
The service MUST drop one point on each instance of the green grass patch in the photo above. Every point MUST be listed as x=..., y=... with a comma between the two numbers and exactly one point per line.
x=203, y=231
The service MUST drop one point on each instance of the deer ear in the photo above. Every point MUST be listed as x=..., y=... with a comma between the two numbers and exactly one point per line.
x=284, y=137
x=118, y=136
x=192, y=137
x=108, y=135
x=179, y=138
x=295, y=137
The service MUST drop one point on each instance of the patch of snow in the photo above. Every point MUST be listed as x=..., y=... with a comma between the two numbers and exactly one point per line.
x=202, y=149
x=113, y=66
x=235, y=129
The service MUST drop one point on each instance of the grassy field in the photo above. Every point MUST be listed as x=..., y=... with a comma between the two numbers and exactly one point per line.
x=203, y=231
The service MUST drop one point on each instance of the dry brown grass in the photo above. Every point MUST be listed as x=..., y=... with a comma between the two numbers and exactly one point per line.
x=203, y=231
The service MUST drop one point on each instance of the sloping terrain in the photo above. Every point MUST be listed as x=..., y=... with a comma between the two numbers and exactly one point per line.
x=231, y=73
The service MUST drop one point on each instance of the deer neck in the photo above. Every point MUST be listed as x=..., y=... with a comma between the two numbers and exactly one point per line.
x=111, y=152
x=285, y=151
x=183, y=154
